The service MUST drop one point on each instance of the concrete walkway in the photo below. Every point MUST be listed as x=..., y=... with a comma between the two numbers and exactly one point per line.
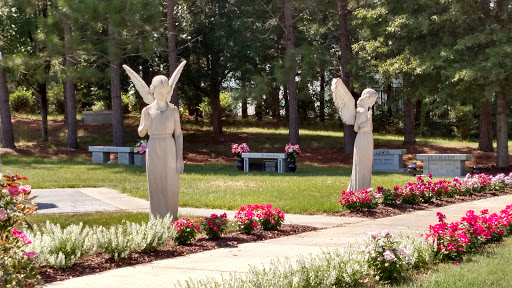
x=214, y=263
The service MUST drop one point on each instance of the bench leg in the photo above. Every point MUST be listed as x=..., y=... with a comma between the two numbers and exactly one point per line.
x=100, y=157
x=125, y=158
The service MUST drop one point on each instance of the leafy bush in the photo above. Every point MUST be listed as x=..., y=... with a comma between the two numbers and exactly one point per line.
x=246, y=219
x=227, y=107
x=186, y=230
x=463, y=118
x=61, y=248
x=388, y=260
x=56, y=99
x=389, y=197
x=16, y=260
x=155, y=233
x=272, y=218
x=359, y=200
x=117, y=241
x=215, y=225
x=329, y=269
x=22, y=101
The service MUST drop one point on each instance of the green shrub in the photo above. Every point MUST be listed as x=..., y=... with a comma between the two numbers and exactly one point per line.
x=227, y=107
x=56, y=99
x=464, y=121
x=22, y=101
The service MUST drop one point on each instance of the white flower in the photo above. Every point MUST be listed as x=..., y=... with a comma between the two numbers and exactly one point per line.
x=389, y=256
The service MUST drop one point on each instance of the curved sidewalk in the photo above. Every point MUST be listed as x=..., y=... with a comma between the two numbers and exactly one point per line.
x=221, y=262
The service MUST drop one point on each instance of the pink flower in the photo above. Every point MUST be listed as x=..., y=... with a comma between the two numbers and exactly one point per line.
x=30, y=255
x=215, y=228
x=3, y=214
x=13, y=190
x=25, y=189
x=20, y=235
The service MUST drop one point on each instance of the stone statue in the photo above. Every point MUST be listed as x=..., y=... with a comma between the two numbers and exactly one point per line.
x=164, y=156
x=361, y=118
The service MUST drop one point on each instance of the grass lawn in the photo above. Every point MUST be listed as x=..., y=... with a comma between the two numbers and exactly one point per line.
x=490, y=268
x=311, y=190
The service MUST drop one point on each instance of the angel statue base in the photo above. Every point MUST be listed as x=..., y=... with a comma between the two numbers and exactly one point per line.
x=361, y=118
x=164, y=162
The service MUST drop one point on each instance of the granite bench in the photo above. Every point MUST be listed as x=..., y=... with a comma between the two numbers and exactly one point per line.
x=101, y=154
x=267, y=162
x=444, y=165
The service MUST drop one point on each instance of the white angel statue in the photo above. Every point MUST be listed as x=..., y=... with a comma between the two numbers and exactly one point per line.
x=361, y=118
x=164, y=156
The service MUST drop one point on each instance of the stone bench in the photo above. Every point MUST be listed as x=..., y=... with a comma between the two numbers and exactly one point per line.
x=444, y=165
x=267, y=162
x=389, y=160
x=101, y=154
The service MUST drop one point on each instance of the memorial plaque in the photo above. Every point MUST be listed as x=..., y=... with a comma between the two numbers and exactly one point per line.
x=270, y=165
x=384, y=162
x=388, y=160
x=444, y=165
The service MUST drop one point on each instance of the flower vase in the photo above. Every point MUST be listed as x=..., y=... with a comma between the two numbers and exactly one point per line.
x=292, y=167
x=139, y=159
x=240, y=164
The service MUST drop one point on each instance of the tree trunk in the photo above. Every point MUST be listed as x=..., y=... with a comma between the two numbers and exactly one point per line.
x=345, y=48
x=321, y=98
x=258, y=108
x=286, y=107
x=115, y=90
x=7, y=136
x=485, y=127
x=349, y=134
x=69, y=89
x=389, y=92
x=43, y=103
x=243, y=91
x=502, y=159
x=409, y=137
x=216, y=108
x=293, y=117
x=171, y=47
x=244, y=106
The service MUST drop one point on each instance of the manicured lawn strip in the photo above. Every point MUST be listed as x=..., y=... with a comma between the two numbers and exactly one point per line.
x=489, y=268
x=105, y=219
x=312, y=189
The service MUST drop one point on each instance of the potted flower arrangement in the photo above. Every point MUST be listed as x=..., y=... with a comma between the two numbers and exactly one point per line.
x=139, y=157
x=292, y=153
x=237, y=150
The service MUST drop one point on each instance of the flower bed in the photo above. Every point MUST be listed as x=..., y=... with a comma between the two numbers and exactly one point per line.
x=424, y=191
x=381, y=259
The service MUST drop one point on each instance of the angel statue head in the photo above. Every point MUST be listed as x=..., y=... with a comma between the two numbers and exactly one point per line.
x=368, y=98
x=160, y=89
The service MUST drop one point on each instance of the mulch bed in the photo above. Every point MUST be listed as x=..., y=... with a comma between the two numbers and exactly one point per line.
x=103, y=262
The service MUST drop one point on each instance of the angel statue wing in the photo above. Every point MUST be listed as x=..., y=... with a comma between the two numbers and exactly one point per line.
x=174, y=78
x=142, y=87
x=344, y=101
